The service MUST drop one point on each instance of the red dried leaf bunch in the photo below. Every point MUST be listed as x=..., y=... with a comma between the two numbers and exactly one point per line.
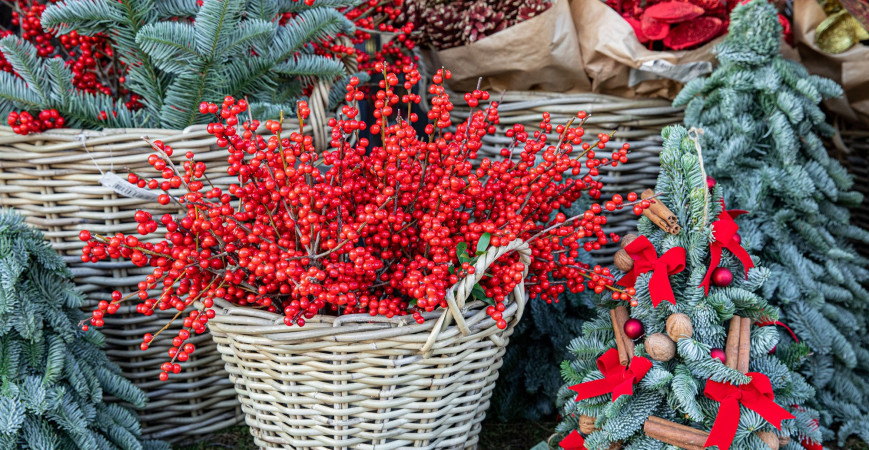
x=379, y=230
x=453, y=23
x=675, y=24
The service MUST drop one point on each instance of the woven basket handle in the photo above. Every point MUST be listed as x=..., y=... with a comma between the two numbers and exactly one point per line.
x=457, y=294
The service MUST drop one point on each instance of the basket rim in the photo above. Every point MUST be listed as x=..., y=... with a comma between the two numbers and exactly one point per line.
x=242, y=320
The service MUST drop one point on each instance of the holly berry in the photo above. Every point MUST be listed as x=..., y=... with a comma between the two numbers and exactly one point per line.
x=362, y=229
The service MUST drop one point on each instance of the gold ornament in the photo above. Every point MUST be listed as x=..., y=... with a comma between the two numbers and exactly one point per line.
x=839, y=32
x=679, y=327
x=660, y=347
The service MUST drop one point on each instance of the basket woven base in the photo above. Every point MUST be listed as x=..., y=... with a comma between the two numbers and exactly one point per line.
x=353, y=383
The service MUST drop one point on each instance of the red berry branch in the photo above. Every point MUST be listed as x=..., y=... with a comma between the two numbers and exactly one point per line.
x=91, y=59
x=380, y=230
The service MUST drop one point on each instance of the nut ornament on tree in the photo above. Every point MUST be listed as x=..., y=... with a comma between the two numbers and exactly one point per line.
x=660, y=347
x=623, y=261
x=673, y=379
x=679, y=327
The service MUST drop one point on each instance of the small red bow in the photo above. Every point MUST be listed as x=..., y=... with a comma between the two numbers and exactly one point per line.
x=573, y=441
x=646, y=259
x=756, y=396
x=724, y=232
x=618, y=379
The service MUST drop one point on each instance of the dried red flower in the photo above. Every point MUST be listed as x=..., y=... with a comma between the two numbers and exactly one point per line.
x=673, y=12
x=653, y=29
x=690, y=34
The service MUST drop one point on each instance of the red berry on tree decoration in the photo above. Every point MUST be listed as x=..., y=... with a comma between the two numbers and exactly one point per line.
x=718, y=354
x=634, y=329
x=722, y=277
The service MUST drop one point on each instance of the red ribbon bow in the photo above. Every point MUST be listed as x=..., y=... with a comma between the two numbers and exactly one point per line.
x=756, y=396
x=646, y=259
x=618, y=379
x=724, y=231
x=573, y=441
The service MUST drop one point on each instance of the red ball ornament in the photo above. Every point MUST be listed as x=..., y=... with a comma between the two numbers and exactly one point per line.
x=737, y=238
x=634, y=329
x=710, y=182
x=718, y=354
x=722, y=277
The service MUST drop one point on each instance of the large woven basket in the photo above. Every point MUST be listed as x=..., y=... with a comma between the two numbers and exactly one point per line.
x=362, y=382
x=54, y=180
x=638, y=121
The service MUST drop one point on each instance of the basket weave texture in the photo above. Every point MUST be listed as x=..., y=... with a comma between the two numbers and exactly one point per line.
x=637, y=121
x=362, y=382
x=54, y=180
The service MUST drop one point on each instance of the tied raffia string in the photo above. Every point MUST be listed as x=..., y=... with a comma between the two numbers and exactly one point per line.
x=694, y=134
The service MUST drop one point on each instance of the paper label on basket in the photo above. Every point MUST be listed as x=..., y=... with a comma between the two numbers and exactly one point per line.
x=660, y=68
x=125, y=188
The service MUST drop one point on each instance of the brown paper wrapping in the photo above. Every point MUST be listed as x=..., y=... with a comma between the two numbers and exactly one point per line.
x=610, y=50
x=850, y=69
x=541, y=53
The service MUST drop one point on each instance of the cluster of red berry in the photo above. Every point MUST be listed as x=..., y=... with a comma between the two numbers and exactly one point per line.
x=24, y=123
x=90, y=58
x=387, y=19
x=379, y=230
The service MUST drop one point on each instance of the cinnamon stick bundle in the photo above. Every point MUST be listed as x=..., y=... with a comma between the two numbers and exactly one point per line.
x=660, y=215
x=624, y=344
x=731, y=350
x=738, y=348
x=744, y=345
x=675, y=434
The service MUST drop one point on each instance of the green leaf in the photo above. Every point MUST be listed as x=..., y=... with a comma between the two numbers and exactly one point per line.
x=480, y=294
x=462, y=252
x=483, y=243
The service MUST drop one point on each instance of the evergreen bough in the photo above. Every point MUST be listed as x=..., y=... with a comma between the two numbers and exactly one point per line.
x=53, y=376
x=673, y=389
x=177, y=55
x=763, y=141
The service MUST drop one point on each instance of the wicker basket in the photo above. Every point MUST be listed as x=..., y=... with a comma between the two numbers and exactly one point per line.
x=357, y=382
x=638, y=121
x=54, y=180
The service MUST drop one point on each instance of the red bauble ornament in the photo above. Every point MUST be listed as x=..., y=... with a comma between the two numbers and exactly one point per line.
x=722, y=277
x=710, y=182
x=634, y=329
x=737, y=238
x=718, y=354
